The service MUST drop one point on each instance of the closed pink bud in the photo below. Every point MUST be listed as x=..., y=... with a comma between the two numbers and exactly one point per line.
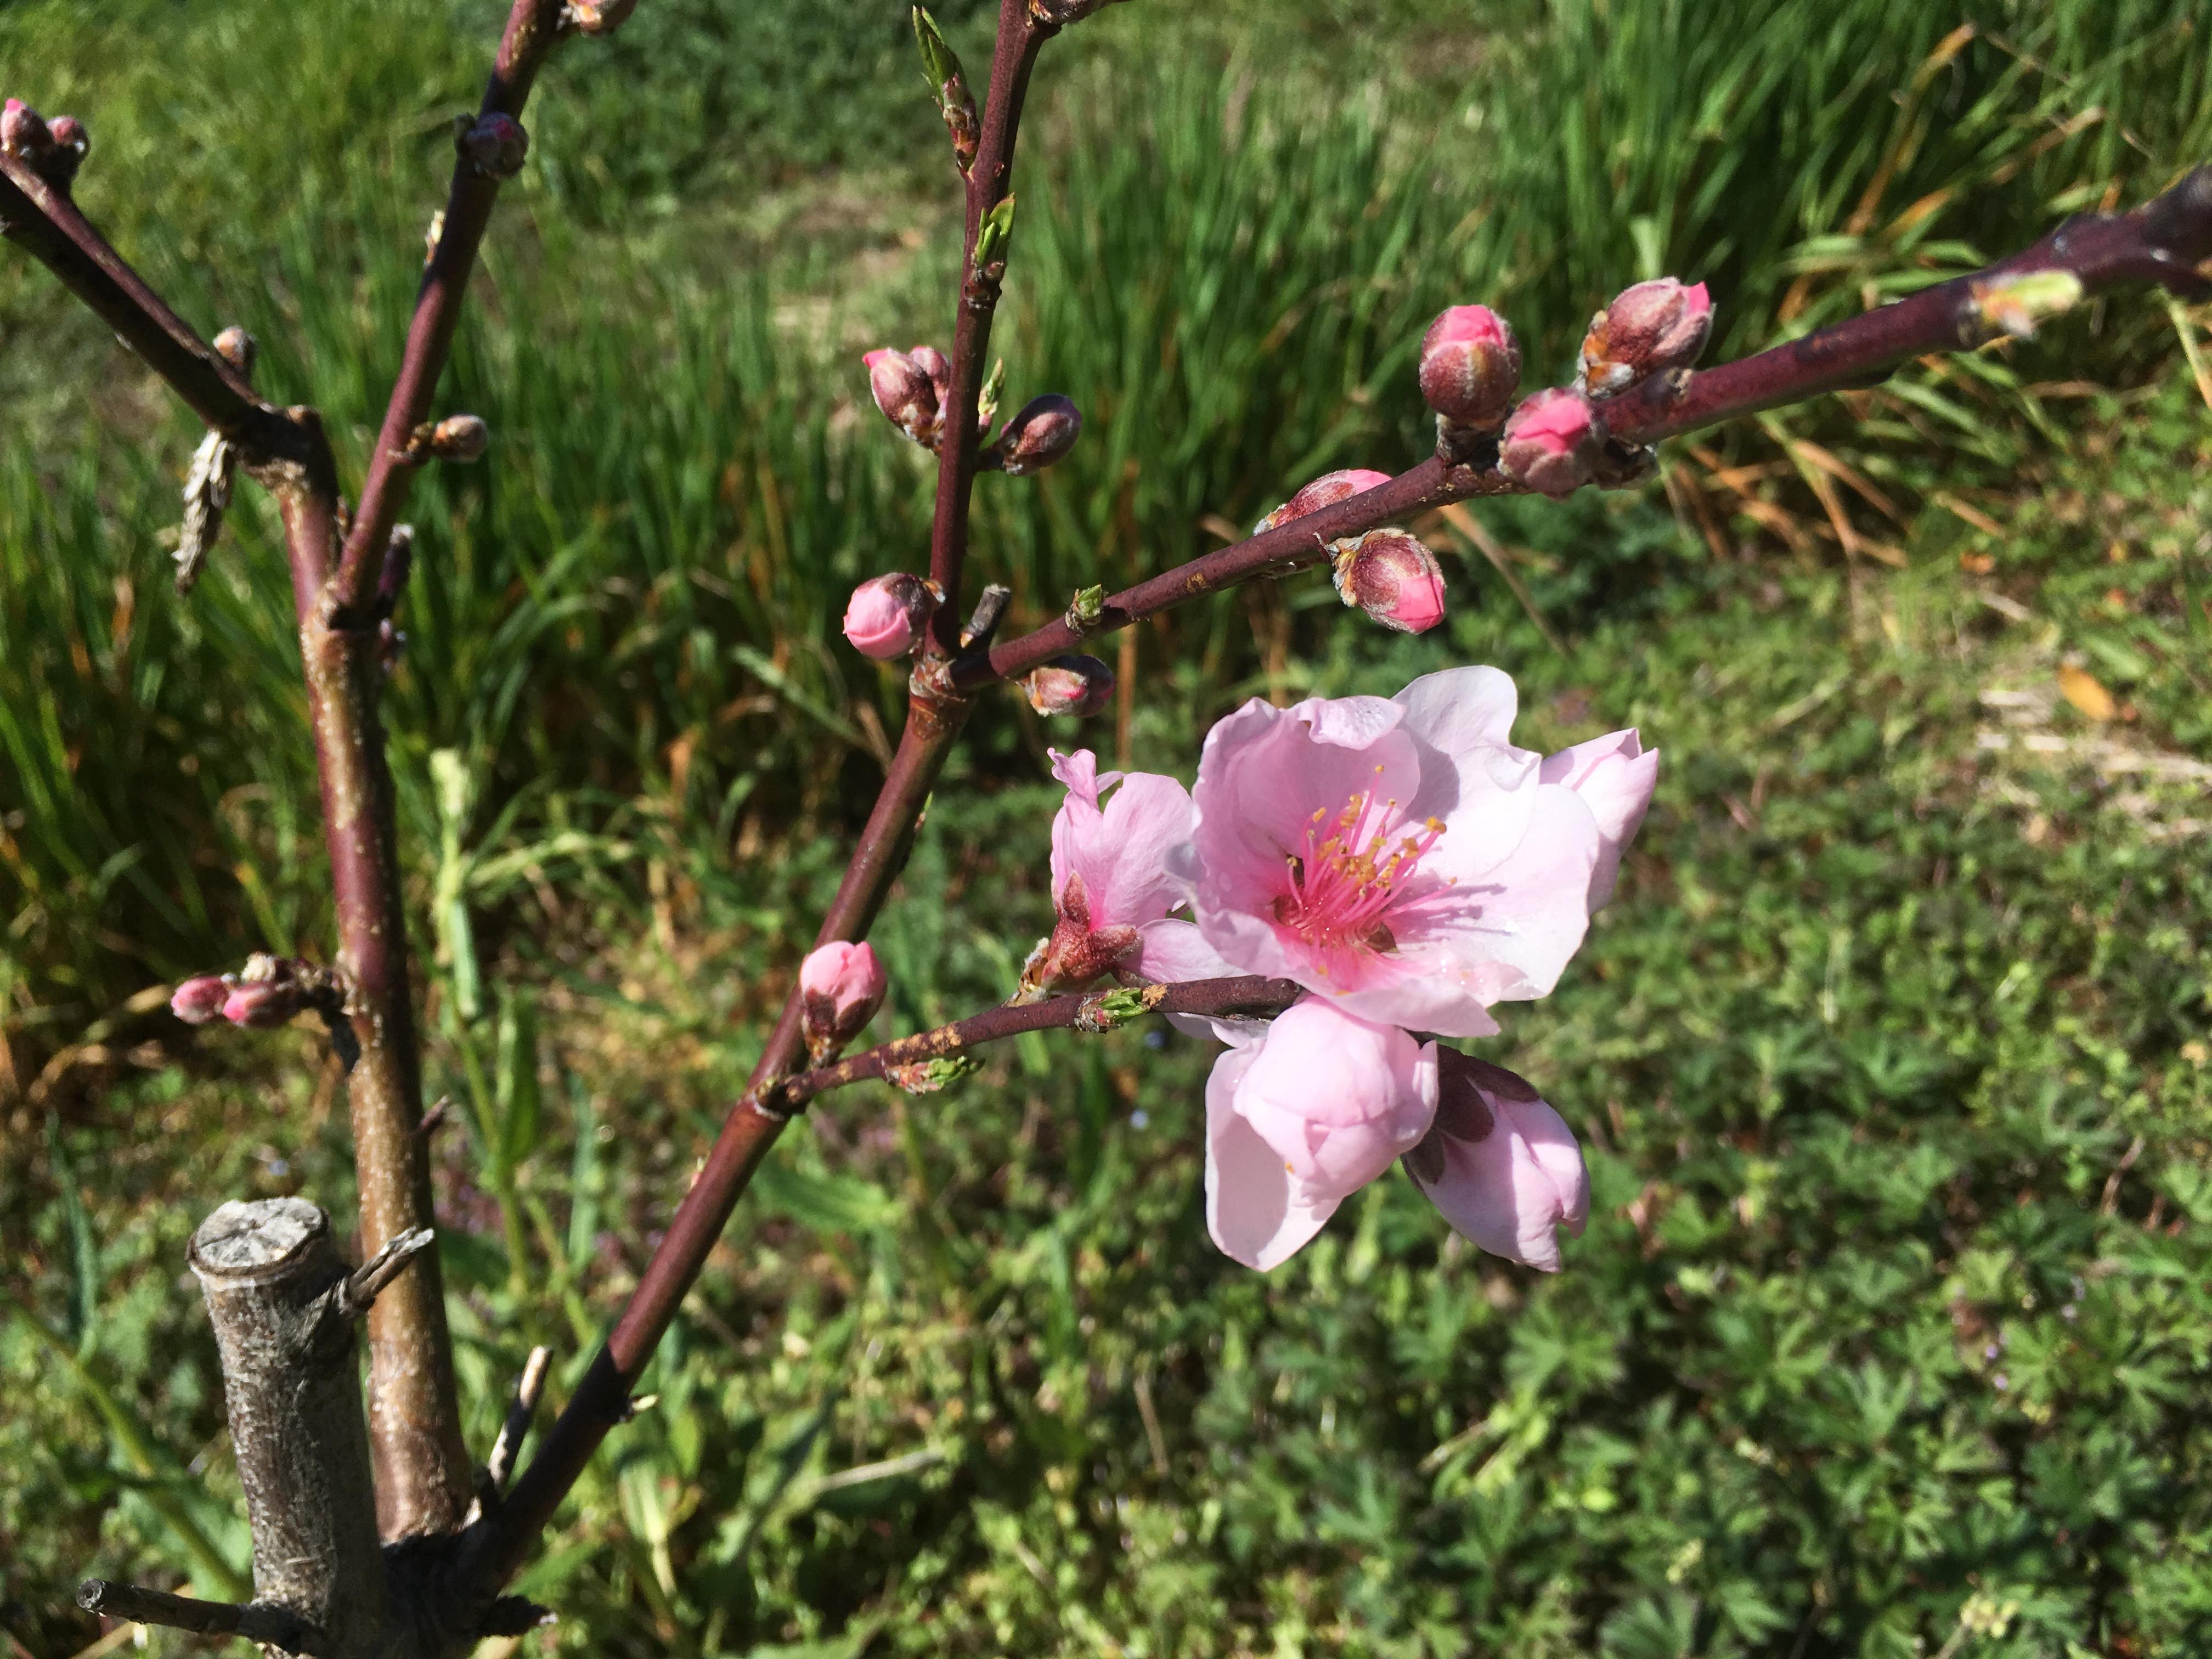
x=887, y=615
x=1655, y=325
x=840, y=986
x=1551, y=442
x=1470, y=367
x=1043, y=430
x=1070, y=685
x=1327, y=490
x=262, y=1002
x=23, y=131
x=71, y=144
x=1500, y=1163
x=1393, y=578
x=495, y=145
x=199, y=1000
x=910, y=390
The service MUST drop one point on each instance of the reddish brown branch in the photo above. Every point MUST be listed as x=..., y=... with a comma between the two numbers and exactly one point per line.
x=500, y=1545
x=1093, y=1011
x=1020, y=39
x=528, y=40
x=47, y=222
x=2165, y=241
x=423, y=1468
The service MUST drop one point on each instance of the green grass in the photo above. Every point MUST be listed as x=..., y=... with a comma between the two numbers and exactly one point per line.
x=1883, y=1010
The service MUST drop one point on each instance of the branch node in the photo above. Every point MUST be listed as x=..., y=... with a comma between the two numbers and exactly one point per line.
x=515, y=1615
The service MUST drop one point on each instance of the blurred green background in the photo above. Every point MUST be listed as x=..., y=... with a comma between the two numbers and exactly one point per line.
x=1890, y=1334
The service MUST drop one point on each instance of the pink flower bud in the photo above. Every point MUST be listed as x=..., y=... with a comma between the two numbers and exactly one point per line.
x=22, y=131
x=1655, y=325
x=71, y=144
x=262, y=1002
x=1070, y=685
x=1041, y=431
x=199, y=1000
x=1393, y=578
x=1500, y=1163
x=1551, y=442
x=887, y=615
x=910, y=388
x=840, y=986
x=237, y=348
x=1470, y=367
x=460, y=438
x=1327, y=490
x=494, y=145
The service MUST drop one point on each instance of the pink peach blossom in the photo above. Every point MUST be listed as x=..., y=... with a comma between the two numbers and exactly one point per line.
x=1551, y=442
x=887, y=615
x=840, y=986
x=1470, y=365
x=1112, y=890
x=1500, y=1163
x=1303, y=1117
x=200, y=999
x=1398, y=856
x=1654, y=325
x=1393, y=578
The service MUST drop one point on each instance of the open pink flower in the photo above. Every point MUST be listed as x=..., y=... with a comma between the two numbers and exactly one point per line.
x=1300, y=1119
x=1111, y=886
x=1398, y=856
x=1500, y=1163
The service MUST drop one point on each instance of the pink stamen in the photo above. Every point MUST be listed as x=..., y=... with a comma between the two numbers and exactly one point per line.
x=1348, y=872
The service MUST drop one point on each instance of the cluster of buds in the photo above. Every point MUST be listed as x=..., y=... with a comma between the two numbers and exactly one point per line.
x=1647, y=330
x=1076, y=685
x=1553, y=443
x=267, y=991
x=494, y=145
x=457, y=438
x=1393, y=578
x=1470, y=369
x=54, y=149
x=1041, y=431
x=888, y=614
x=911, y=388
x=840, y=986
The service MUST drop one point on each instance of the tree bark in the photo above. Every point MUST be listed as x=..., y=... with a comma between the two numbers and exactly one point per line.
x=274, y=1283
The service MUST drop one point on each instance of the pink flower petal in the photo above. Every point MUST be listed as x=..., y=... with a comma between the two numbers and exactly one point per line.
x=1510, y=1191
x=1614, y=775
x=1251, y=1210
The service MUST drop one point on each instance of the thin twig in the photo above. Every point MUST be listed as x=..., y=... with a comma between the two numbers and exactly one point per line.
x=519, y=1412
x=601, y=1401
x=1020, y=39
x=2164, y=242
x=523, y=48
x=360, y=1289
x=257, y=1621
x=1093, y=1011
